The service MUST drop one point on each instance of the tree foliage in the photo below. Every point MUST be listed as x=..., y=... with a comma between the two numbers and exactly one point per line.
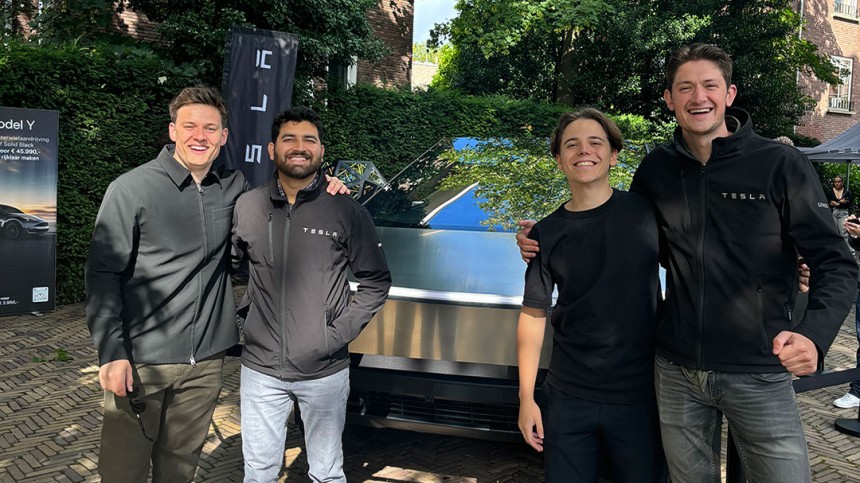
x=330, y=31
x=425, y=53
x=10, y=12
x=518, y=178
x=614, y=58
x=66, y=20
x=194, y=31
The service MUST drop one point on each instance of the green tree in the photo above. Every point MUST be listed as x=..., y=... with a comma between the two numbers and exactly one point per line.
x=518, y=178
x=85, y=20
x=515, y=47
x=330, y=31
x=614, y=59
x=9, y=12
x=425, y=53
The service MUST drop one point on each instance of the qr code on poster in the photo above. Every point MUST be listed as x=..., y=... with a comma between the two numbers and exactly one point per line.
x=40, y=294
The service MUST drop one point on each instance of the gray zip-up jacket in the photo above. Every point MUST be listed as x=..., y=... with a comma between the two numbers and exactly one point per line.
x=297, y=316
x=158, y=288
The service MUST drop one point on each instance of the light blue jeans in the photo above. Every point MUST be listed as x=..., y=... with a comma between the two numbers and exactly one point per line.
x=762, y=414
x=266, y=403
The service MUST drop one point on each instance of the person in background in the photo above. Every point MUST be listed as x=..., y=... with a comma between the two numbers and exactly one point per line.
x=851, y=399
x=839, y=197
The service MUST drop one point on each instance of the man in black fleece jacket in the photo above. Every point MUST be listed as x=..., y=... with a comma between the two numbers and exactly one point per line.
x=297, y=313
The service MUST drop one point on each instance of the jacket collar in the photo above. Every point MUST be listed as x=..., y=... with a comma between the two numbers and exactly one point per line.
x=739, y=125
x=307, y=193
x=181, y=176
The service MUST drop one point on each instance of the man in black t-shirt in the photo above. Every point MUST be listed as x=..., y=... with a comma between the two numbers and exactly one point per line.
x=600, y=386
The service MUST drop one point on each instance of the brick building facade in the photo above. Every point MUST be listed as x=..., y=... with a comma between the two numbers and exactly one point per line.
x=392, y=22
x=834, y=26
x=136, y=25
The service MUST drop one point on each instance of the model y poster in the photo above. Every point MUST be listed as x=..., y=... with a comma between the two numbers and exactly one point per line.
x=28, y=209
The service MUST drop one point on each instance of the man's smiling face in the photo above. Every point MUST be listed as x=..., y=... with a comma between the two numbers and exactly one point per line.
x=297, y=151
x=198, y=134
x=586, y=154
x=699, y=97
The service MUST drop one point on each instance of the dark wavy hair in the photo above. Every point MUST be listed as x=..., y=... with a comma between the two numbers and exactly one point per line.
x=613, y=133
x=297, y=114
x=693, y=52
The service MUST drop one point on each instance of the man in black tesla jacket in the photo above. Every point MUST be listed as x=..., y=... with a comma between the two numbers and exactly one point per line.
x=733, y=210
x=298, y=317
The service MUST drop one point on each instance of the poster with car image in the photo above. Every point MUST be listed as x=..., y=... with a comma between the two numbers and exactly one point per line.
x=28, y=209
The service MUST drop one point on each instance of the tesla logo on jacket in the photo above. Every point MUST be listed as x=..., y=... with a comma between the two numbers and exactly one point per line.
x=744, y=196
x=319, y=231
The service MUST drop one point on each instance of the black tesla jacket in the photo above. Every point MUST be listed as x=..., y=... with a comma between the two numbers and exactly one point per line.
x=296, y=315
x=730, y=233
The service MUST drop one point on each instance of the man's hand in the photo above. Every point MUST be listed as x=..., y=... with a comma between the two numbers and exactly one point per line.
x=803, y=273
x=852, y=226
x=115, y=376
x=528, y=247
x=796, y=353
x=531, y=425
x=335, y=186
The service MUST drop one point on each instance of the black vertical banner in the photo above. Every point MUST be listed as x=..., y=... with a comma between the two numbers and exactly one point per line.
x=259, y=71
x=28, y=210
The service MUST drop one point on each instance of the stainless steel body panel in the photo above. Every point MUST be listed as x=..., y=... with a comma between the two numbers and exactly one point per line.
x=456, y=297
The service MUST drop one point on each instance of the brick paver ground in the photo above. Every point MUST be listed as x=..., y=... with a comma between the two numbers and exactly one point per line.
x=50, y=416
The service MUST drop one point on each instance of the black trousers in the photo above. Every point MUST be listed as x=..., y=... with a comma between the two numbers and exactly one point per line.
x=578, y=432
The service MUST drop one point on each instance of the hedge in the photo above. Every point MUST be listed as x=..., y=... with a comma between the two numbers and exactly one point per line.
x=113, y=113
x=393, y=127
x=113, y=116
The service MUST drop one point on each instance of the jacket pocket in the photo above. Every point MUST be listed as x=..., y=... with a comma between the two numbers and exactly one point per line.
x=308, y=345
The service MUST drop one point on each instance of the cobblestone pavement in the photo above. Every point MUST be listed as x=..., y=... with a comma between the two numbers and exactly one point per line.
x=50, y=417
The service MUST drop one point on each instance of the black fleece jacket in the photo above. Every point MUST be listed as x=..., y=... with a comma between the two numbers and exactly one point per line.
x=297, y=316
x=730, y=231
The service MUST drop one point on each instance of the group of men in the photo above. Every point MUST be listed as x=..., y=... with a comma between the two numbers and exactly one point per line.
x=725, y=211
x=160, y=303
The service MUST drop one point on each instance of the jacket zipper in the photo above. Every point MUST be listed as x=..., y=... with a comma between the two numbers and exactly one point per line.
x=760, y=302
x=199, y=278
x=700, y=260
x=284, y=292
x=271, y=239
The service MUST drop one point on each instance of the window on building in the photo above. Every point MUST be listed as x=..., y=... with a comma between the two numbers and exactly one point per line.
x=845, y=7
x=840, y=94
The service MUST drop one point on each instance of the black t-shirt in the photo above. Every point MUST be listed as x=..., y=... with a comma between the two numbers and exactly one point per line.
x=604, y=262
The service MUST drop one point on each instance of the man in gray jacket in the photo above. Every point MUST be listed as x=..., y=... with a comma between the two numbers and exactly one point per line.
x=160, y=305
x=298, y=316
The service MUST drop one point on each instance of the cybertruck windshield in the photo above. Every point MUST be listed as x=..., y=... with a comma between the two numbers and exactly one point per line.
x=434, y=239
x=423, y=196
